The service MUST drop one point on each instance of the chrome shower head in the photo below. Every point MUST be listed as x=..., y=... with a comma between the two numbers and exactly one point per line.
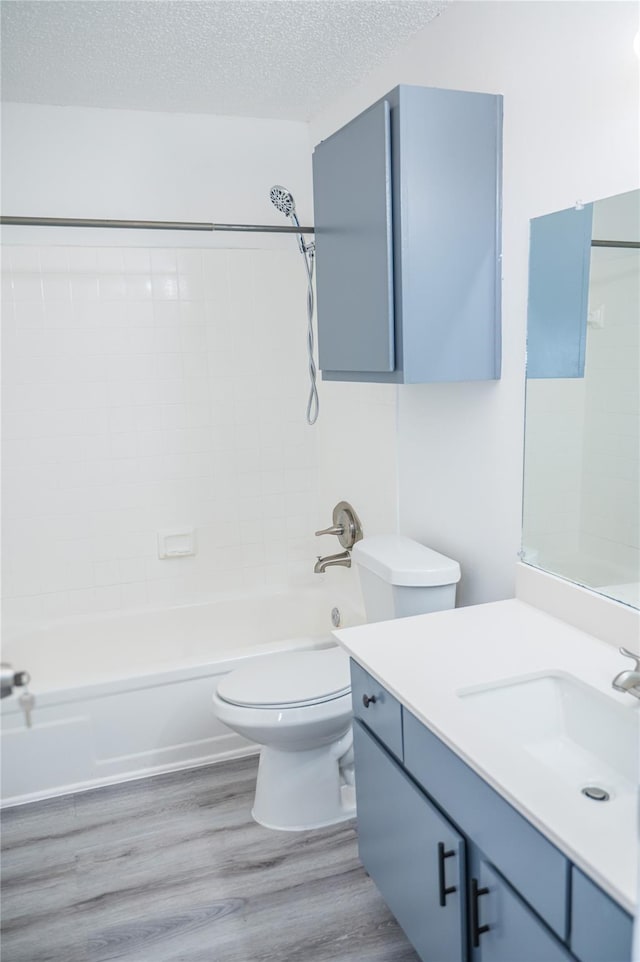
x=282, y=200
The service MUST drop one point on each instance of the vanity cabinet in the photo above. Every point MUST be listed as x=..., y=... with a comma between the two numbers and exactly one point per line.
x=514, y=847
x=413, y=854
x=468, y=878
x=407, y=235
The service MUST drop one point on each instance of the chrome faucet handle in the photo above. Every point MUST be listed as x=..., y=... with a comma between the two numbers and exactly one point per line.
x=334, y=529
x=346, y=525
x=631, y=654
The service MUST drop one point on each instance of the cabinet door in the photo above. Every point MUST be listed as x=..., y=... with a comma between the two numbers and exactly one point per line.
x=353, y=238
x=502, y=927
x=411, y=852
x=600, y=930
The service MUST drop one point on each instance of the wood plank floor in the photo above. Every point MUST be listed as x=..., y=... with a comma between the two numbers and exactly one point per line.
x=173, y=869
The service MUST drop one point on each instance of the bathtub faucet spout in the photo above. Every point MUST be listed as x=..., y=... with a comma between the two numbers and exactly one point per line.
x=343, y=559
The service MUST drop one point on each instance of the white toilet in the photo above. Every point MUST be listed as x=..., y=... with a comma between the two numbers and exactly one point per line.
x=298, y=705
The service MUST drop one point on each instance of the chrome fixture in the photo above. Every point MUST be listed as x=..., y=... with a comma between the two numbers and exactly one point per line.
x=628, y=681
x=10, y=679
x=343, y=559
x=595, y=793
x=347, y=528
x=346, y=525
x=282, y=200
x=150, y=225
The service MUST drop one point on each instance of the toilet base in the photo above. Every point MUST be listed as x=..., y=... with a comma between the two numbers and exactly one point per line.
x=302, y=790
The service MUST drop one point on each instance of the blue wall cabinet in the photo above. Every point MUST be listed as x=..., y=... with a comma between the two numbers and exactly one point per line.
x=468, y=878
x=559, y=268
x=412, y=853
x=407, y=233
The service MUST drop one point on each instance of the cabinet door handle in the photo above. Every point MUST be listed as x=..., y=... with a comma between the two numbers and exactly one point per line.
x=476, y=929
x=443, y=889
x=368, y=700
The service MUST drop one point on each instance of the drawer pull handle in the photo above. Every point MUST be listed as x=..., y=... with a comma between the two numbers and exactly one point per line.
x=476, y=929
x=443, y=889
x=368, y=700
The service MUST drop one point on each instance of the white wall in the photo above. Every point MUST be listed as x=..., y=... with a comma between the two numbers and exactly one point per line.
x=570, y=84
x=134, y=164
x=554, y=441
x=151, y=386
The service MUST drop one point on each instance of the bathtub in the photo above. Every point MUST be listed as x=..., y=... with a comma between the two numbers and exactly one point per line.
x=129, y=695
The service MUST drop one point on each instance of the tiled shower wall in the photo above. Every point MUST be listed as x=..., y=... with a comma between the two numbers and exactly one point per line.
x=144, y=390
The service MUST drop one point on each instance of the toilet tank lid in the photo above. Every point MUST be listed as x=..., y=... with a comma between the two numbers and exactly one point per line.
x=402, y=561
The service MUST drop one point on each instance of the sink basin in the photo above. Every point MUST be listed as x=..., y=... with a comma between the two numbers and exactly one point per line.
x=580, y=734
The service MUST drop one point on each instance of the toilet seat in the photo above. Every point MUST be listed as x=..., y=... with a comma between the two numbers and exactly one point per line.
x=292, y=680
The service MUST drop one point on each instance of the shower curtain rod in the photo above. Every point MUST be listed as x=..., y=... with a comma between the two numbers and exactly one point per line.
x=604, y=243
x=201, y=226
x=151, y=225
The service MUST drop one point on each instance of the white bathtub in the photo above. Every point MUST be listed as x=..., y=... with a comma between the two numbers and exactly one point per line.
x=129, y=695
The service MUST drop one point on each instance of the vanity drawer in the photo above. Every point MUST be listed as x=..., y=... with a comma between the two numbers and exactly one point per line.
x=531, y=863
x=600, y=929
x=376, y=709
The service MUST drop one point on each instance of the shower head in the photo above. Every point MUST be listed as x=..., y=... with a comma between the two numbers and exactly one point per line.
x=282, y=200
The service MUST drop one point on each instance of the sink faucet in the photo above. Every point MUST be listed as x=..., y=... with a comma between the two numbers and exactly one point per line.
x=343, y=559
x=629, y=681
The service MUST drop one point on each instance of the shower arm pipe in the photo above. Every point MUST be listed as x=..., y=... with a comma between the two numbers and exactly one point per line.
x=152, y=225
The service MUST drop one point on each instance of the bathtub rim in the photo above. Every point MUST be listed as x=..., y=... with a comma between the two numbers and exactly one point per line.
x=225, y=661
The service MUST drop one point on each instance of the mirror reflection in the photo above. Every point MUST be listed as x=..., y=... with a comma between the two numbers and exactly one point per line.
x=581, y=509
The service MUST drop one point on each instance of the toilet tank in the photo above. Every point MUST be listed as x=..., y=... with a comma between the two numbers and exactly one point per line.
x=400, y=577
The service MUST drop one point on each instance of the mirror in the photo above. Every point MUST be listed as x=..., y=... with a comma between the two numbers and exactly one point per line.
x=581, y=506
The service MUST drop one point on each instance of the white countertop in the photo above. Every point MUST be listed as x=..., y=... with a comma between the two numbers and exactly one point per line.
x=427, y=660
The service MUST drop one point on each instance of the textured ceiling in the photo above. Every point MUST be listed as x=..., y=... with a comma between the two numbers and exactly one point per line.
x=259, y=58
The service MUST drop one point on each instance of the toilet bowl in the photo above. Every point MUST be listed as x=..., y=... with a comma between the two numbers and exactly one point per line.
x=298, y=707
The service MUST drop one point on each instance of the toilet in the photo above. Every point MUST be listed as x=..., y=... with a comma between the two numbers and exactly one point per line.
x=297, y=705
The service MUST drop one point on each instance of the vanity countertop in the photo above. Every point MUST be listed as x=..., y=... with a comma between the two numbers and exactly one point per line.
x=428, y=660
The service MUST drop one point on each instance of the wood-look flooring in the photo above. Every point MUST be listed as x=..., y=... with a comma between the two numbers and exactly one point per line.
x=173, y=869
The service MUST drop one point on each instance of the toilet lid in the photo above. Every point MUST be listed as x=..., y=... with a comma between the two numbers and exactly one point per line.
x=290, y=680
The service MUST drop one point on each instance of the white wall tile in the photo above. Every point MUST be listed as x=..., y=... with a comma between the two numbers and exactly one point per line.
x=130, y=408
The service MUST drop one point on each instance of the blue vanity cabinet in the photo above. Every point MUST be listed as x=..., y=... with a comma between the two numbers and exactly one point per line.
x=407, y=235
x=535, y=867
x=413, y=854
x=468, y=877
